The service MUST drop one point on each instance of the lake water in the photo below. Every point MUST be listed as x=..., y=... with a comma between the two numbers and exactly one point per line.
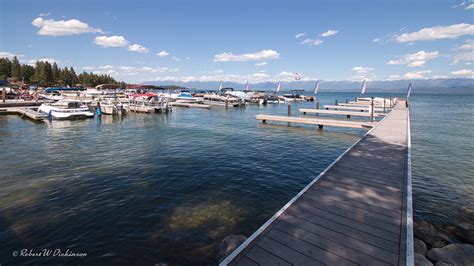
x=149, y=189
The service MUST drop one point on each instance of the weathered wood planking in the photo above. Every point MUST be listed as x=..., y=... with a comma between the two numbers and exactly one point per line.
x=190, y=105
x=352, y=108
x=314, y=121
x=357, y=211
x=24, y=111
x=336, y=112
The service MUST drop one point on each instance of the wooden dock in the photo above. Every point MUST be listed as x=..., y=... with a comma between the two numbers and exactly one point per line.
x=313, y=121
x=28, y=112
x=190, y=105
x=337, y=112
x=352, y=108
x=358, y=211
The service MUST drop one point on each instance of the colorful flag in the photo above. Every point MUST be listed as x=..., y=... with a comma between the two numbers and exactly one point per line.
x=409, y=90
x=247, y=87
x=297, y=76
x=316, y=87
x=364, y=85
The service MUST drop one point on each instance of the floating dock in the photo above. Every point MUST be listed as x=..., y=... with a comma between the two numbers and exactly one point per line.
x=313, y=121
x=190, y=105
x=358, y=211
x=28, y=112
x=336, y=112
x=352, y=108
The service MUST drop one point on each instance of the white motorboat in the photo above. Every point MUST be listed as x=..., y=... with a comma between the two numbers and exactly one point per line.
x=66, y=109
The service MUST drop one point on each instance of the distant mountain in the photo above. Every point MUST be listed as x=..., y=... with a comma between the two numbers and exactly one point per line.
x=450, y=85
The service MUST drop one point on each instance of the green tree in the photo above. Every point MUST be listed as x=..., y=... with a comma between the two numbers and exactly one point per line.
x=16, y=69
x=5, y=68
x=55, y=72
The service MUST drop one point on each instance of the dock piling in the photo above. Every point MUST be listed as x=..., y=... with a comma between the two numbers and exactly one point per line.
x=372, y=110
x=4, y=94
x=336, y=102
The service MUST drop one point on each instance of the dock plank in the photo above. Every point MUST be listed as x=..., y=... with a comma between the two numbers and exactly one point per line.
x=354, y=212
x=336, y=112
x=314, y=121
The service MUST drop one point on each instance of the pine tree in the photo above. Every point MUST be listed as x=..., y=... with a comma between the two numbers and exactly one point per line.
x=55, y=71
x=16, y=69
x=5, y=68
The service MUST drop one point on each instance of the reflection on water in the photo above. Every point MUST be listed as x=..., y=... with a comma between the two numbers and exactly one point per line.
x=148, y=189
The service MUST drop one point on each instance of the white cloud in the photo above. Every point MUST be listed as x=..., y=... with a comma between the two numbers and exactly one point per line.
x=417, y=64
x=111, y=41
x=262, y=55
x=44, y=14
x=6, y=55
x=261, y=64
x=417, y=59
x=362, y=70
x=328, y=33
x=88, y=68
x=416, y=74
x=177, y=59
x=394, y=77
x=62, y=27
x=163, y=54
x=299, y=35
x=361, y=73
x=314, y=42
x=468, y=45
x=376, y=40
x=467, y=73
x=49, y=60
x=470, y=6
x=137, y=48
x=106, y=67
x=187, y=58
x=240, y=78
x=438, y=32
x=467, y=56
x=439, y=77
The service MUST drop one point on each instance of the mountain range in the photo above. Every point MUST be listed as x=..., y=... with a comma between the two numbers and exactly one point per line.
x=447, y=85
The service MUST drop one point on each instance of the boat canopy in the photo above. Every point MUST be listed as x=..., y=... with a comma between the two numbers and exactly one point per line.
x=52, y=89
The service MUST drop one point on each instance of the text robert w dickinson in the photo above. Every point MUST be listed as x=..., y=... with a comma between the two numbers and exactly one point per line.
x=47, y=253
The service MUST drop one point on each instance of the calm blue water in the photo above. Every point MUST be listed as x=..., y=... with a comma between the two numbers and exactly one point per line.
x=150, y=189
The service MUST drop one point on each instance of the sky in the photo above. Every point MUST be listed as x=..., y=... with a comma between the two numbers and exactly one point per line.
x=240, y=41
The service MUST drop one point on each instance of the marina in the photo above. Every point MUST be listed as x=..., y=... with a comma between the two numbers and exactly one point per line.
x=236, y=133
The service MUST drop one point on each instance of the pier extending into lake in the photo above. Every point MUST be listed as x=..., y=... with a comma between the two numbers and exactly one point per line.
x=357, y=211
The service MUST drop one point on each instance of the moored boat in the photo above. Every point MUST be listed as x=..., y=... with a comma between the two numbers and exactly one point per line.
x=66, y=109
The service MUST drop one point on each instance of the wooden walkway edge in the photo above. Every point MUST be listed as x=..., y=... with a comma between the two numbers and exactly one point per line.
x=358, y=211
x=315, y=121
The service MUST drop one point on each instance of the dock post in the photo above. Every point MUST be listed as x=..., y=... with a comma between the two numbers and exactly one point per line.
x=384, y=105
x=347, y=101
x=4, y=94
x=317, y=108
x=320, y=126
x=289, y=109
x=372, y=110
x=336, y=102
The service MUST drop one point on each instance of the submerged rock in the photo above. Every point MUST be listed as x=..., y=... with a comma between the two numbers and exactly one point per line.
x=454, y=254
x=420, y=247
x=229, y=244
x=430, y=235
x=421, y=260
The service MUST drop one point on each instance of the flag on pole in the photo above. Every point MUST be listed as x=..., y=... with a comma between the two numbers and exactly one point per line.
x=220, y=87
x=247, y=87
x=278, y=87
x=297, y=76
x=409, y=90
x=364, y=85
x=316, y=87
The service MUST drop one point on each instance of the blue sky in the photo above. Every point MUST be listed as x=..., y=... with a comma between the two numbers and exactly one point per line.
x=242, y=41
